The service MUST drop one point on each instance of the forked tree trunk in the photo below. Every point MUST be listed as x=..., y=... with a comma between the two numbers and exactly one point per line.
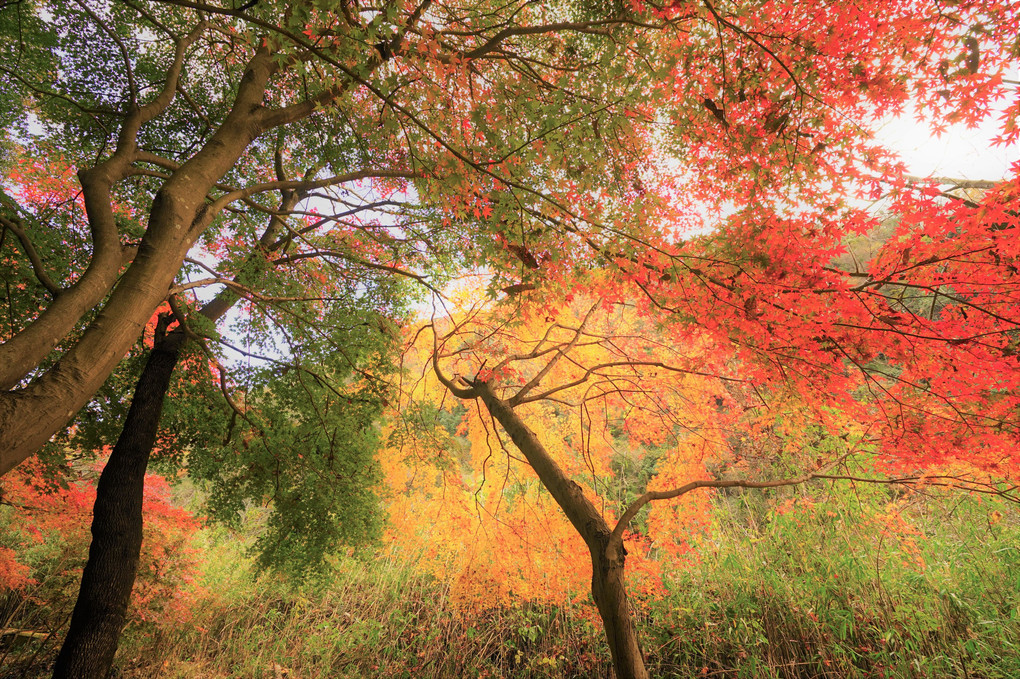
x=608, y=557
x=109, y=575
x=178, y=215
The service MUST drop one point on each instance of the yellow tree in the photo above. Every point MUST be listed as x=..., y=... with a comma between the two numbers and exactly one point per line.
x=573, y=382
x=585, y=375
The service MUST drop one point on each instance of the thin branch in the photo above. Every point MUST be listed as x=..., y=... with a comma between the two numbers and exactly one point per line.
x=304, y=185
x=653, y=495
x=355, y=260
x=617, y=364
x=953, y=482
x=459, y=392
x=560, y=353
x=33, y=255
x=129, y=70
x=956, y=183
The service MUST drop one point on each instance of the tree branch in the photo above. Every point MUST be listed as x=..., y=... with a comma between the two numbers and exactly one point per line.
x=303, y=185
x=459, y=392
x=652, y=495
x=943, y=481
x=38, y=268
x=619, y=364
x=560, y=353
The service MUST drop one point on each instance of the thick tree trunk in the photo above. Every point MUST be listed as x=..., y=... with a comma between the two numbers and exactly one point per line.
x=117, y=526
x=178, y=215
x=109, y=575
x=608, y=557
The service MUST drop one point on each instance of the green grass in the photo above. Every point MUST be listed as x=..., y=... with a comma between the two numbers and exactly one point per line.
x=817, y=591
x=822, y=593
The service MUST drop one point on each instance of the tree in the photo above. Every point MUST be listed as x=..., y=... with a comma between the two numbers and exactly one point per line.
x=167, y=111
x=476, y=511
x=45, y=540
x=538, y=141
x=183, y=154
x=285, y=418
x=530, y=364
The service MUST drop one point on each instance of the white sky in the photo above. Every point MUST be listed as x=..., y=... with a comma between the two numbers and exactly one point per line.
x=961, y=152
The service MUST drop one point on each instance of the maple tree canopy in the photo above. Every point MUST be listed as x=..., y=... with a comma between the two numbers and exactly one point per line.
x=711, y=155
x=531, y=139
x=707, y=164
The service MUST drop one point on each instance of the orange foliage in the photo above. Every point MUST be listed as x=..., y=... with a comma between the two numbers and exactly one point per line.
x=678, y=525
x=471, y=511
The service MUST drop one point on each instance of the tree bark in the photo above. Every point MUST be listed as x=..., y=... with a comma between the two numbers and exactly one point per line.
x=23, y=352
x=101, y=608
x=109, y=575
x=608, y=556
x=178, y=215
x=609, y=590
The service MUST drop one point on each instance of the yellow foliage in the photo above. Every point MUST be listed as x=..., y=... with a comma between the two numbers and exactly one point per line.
x=472, y=511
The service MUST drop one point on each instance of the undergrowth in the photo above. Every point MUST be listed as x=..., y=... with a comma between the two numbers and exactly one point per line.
x=815, y=583
x=846, y=586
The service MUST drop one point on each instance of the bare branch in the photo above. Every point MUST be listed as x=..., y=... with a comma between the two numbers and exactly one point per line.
x=459, y=392
x=594, y=370
x=954, y=182
x=560, y=353
x=303, y=185
x=943, y=481
x=653, y=495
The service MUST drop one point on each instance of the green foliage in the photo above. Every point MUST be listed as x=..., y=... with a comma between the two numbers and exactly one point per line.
x=303, y=437
x=24, y=40
x=632, y=470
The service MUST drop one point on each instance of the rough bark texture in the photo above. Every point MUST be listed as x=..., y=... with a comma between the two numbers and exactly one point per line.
x=609, y=590
x=113, y=555
x=109, y=575
x=607, y=553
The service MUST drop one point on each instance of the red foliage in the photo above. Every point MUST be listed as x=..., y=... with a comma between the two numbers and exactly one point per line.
x=44, y=525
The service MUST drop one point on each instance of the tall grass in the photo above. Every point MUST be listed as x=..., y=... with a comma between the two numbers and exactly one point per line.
x=822, y=582
x=381, y=619
x=921, y=587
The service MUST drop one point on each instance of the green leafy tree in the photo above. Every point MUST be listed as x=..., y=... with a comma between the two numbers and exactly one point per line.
x=182, y=119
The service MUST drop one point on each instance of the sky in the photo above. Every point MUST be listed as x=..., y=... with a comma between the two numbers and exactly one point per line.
x=962, y=152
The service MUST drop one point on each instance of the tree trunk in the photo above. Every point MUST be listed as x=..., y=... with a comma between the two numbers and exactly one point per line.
x=109, y=575
x=179, y=214
x=608, y=557
x=609, y=590
x=117, y=526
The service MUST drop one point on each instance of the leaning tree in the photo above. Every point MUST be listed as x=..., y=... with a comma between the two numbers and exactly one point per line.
x=918, y=387
x=536, y=140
